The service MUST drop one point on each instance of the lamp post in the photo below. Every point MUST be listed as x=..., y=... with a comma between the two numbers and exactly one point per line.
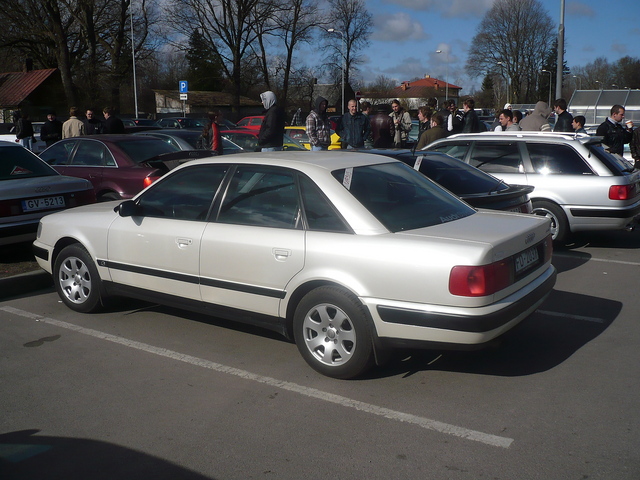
x=344, y=61
x=507, y=79
x=601, y=85
x=446, y=78
x=579, y=84
x=549, y=72
x=133, y=59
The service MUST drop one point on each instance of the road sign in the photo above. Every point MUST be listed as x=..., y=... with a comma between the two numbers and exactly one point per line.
x=358, y=95
x=183, y=96
x=183, y=86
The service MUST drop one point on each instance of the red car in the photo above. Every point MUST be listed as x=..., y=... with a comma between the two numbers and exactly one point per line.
x=251, y=123
x=118, y=166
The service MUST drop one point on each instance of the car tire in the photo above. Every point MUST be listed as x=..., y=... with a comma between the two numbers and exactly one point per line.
x=559, y=224
x=109, y=197
x=77, y=280
x=333, y=334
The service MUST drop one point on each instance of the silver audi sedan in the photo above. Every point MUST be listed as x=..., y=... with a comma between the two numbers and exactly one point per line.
x=347, y=254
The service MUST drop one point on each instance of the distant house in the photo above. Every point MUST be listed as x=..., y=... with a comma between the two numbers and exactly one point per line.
x=198, y=103
x=35, y=92
x=415, y=94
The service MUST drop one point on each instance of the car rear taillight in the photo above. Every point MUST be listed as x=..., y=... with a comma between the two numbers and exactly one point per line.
x=9, y=208
x=621, y=192
x=478, y=281
x=482, y=280
x=149, y=179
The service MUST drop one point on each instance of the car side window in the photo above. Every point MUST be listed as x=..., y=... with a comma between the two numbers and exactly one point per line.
x=498, y=157
x=89, y=154
x=185, y=195
x=58, y=154
x=455, y=150
x=550, y=159
x=318, y=211
x=261, y=196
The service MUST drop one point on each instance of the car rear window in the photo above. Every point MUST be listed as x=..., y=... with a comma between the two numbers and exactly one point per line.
x=400, y=197
x=552, y=159
x=145, y=148
x=20, y=163
x=616, y=165
x=453, y=149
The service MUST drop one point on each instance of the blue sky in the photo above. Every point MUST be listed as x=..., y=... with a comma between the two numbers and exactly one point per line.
x=407, y=34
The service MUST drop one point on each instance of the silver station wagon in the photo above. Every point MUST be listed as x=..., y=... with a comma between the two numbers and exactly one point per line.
x=347, y=254
x=578, y=185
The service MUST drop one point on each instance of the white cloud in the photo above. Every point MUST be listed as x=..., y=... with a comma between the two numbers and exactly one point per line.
x=451, y=9
x=398, y=27
x=580, y=10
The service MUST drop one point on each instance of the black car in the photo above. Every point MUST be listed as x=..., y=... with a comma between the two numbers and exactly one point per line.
x=477, y=188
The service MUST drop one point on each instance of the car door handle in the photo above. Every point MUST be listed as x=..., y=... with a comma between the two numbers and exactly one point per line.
x=184, y=242
x=281, y=253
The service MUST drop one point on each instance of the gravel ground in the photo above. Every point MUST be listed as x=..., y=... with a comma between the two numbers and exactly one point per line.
x=16, y=259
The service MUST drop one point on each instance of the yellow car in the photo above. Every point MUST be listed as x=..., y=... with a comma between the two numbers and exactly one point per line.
x=299, y=134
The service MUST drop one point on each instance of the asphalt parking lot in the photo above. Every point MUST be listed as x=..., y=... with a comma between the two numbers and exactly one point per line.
x=143, y=391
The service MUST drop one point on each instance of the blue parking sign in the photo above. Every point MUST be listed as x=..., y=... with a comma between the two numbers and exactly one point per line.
x=183, y=86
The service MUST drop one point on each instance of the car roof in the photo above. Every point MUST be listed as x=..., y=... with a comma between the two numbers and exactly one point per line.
x=304, y=161
x=543, y=136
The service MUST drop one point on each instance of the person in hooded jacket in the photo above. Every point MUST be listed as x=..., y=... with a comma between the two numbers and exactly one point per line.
x=537, y=121
x=318, y=126
x=270, y=136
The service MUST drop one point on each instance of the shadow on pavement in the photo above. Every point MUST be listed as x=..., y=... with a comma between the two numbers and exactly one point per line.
x=564, y=324
x=25, y=455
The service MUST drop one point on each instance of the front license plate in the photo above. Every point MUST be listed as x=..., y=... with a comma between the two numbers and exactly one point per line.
x=42, y=203
x=526, y=259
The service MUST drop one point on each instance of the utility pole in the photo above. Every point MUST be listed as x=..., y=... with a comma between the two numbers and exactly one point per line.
x=560, y=71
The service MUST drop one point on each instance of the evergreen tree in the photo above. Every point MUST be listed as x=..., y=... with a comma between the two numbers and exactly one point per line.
x=204, y=68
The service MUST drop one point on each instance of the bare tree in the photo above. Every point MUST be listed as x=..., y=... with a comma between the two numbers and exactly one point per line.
x=352, y=19
x=228, y=25
x=514, y=38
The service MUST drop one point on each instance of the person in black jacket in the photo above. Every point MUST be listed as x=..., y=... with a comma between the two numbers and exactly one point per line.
x=112, y=124
x=354, y=128
x=270, y=137
x=51, y=131
x=470, y=120
x=92, y=125
x=563, y=118
x=24, y=132
x=613, y=132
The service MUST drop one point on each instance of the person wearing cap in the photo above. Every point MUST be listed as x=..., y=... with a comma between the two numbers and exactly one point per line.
x=51, y=130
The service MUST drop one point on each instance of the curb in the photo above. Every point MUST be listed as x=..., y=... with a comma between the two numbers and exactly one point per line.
x=24, y=283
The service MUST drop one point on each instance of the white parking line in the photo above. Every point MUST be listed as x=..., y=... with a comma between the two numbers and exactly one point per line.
x=423, y=422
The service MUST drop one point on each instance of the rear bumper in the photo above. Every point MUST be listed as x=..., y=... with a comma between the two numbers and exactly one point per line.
x=459, y=326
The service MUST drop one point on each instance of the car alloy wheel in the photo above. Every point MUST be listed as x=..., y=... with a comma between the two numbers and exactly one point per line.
x=332, y=333
x=76, y=279
x=559, y=223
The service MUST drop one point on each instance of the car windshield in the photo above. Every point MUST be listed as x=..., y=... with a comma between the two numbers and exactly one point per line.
x=191, y=123
x=145, y=148
x=20, y=163
x=615, y=163
x=400, y=197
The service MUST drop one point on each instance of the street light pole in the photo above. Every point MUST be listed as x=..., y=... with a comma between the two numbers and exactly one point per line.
x=580, y=83
x=344, y=60
x=133, y=59
x=507, y=79
x=446, y=78
x=549, y=72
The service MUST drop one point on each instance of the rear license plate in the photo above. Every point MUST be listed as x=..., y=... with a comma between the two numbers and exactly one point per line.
x=42, y=203
x=526, y=259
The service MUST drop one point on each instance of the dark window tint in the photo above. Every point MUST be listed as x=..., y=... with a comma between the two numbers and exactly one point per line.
x=58, y=154
x=614, y=163
x=185, y=195
x=145, y=148
x=457, y=176
x=500, y=157
x=318, y=211
x=454, y=149
x=550, y=159
x=261, y=196
x=17, y=162
x=400, y=197
x=243, y=140
x=90, y=154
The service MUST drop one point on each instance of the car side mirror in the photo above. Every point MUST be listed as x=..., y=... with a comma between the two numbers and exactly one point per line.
x=128, y=208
